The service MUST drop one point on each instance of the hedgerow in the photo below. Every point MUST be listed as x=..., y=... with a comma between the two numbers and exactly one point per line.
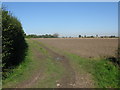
x=13, y=42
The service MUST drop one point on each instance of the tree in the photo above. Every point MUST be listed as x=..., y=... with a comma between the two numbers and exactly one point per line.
x=96, y=36
x=80, y=36
x=84, y=36
x=56, y=35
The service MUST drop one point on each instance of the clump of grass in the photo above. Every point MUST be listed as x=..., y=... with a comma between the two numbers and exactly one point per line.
x=104, y=72
x=53, y=72
x=17, y=74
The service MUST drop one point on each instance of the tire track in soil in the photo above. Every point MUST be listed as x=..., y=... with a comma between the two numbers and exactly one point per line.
x=38, y=74
x=68, y=79
x=71, y=78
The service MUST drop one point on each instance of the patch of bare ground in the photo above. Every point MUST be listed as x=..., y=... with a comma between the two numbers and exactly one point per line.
x=83, y=81
x=84, y=47
x=71, y=78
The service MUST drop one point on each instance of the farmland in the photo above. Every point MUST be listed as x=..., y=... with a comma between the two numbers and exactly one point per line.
x=85, y=47
x=59, y=45
x=53, y=63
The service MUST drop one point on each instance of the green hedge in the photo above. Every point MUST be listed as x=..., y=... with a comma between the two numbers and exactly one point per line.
x=13, y=42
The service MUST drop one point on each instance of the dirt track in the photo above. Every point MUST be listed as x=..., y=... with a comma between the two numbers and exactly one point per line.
x=68, y=79
x=71, y=78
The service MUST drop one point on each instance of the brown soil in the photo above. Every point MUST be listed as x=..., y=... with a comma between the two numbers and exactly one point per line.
x=95, y=47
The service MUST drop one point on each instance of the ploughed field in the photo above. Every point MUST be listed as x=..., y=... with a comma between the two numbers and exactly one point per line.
x=84, y=47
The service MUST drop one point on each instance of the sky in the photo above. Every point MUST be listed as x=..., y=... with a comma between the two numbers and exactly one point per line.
x=66, y=18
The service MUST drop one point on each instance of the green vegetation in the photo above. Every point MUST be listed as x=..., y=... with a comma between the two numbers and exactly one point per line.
x=13, y=42
x=105, y=73
x=42, y=36
x=32, y=65
x=119, y=54
x=24, y=71
x=53, y=70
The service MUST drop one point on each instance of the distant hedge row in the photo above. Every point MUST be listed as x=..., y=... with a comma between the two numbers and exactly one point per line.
x=42, y=36
x=13, y=42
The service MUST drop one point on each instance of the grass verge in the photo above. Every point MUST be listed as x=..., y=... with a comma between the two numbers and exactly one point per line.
x=19, y=73
x=104, y=72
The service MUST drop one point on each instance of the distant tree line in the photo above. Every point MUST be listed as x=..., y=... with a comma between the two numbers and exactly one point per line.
x=91, y=36
x=42, y=36
x=13, y=42
x=112, y=36
x=109, y=36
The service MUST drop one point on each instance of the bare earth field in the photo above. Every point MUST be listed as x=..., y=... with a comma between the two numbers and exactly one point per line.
x=88, y=47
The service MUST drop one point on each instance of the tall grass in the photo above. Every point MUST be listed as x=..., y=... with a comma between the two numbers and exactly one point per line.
x=105, y=73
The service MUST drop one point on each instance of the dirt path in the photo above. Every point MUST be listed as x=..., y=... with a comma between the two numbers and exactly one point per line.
x=37, y=74
x=68, y=79
x=71, y=78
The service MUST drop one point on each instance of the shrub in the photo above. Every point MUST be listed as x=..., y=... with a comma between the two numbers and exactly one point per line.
x=13, y=42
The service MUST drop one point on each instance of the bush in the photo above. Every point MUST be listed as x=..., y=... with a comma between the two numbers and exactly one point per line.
x=13, y=42
x=106, y=74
